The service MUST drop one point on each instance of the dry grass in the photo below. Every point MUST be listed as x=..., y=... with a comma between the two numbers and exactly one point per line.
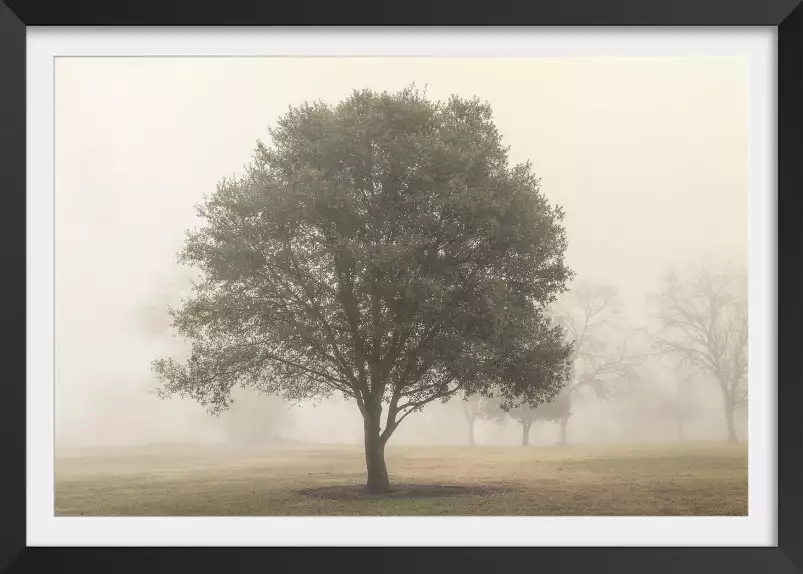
x=534, y=481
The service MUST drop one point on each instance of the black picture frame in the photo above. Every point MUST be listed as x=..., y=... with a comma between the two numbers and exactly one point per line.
x=787, y=15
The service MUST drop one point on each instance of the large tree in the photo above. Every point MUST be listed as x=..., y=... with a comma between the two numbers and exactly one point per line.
x=702, y=322
x=382, y=248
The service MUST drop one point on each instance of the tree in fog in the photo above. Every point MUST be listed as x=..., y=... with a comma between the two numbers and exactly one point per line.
x=525, y=414
x=478, y=407
x=681, y=401
x=382, y=248
x=471, y=411
x=589, y=314
x=702, y=322
x=665, y=393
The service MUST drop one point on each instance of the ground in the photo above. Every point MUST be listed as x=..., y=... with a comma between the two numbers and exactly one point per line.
x=694, y=479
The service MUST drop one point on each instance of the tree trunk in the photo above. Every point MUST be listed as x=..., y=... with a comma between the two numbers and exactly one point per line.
x=377, y=481
x=471, y=432
x=680, y=429
x=563, y=423
x=730, y=407
x=525, y=434
x=729, y=412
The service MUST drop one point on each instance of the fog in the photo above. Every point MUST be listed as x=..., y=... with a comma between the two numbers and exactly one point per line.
x=647, y=156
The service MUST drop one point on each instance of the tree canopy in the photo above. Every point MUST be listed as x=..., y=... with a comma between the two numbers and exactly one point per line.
x=382, y=248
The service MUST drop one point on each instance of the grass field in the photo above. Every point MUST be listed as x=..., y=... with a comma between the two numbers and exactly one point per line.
x=702, y=479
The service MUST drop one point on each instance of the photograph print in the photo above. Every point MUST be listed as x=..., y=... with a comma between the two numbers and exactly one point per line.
x=364, y=286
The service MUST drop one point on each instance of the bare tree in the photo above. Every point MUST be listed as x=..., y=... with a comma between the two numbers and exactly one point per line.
x=589, y=315
x=703, y=324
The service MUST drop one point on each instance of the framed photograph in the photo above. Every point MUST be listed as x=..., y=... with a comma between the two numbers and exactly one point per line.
x=437, y=286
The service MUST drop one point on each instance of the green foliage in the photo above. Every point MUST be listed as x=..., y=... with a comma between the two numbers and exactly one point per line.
x=482, y=407
x=381, y=248
x=556, y=409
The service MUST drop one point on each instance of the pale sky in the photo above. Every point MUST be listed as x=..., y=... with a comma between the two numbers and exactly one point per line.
x=648, y=157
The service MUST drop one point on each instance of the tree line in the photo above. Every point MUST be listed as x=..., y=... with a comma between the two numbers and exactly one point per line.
x=697, y=333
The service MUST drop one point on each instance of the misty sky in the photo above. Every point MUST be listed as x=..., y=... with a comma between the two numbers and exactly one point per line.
x=647, y=156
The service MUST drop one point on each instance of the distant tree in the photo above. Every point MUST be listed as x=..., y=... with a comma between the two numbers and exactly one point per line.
x=658, y=398
x=601, y=363
x=702, y=322
x=478, y=407
x=555, y=410
x=382, y=248
x=471, y=410
x=681, y=401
